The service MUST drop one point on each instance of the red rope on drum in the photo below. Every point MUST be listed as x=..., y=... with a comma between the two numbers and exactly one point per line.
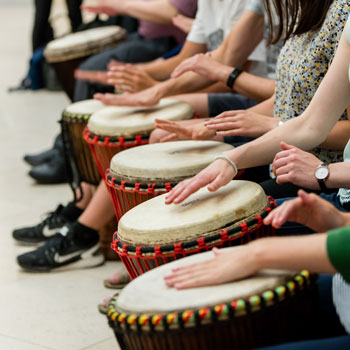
x=121, y=141
x=168, y=187
x=151, y=188
x=138, y=139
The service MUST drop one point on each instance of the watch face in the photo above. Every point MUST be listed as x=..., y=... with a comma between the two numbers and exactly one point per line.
x=322, y=173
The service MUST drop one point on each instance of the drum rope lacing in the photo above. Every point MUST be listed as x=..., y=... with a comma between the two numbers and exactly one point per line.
x=120, y=140
x=196, y=317
x=202, y=243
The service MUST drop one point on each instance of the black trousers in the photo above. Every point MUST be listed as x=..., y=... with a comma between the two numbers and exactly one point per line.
x=42, y=30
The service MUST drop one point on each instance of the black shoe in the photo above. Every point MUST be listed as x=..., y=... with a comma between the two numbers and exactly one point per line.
x=52, y=172
x=40, y=158
x=43, y=231
x=61, y=253
x=44, y=157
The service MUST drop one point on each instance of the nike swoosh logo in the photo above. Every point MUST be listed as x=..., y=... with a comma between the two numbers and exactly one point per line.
x=49, y=232
x=60, y=259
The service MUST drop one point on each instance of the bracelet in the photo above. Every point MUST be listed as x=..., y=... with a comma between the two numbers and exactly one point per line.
x=234, y=166
x=233, y=76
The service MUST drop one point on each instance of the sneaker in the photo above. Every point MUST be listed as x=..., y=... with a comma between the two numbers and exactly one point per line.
x=61, y=253
x=43, y=231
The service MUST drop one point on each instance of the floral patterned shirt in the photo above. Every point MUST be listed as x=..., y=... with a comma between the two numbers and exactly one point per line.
x=303, y=62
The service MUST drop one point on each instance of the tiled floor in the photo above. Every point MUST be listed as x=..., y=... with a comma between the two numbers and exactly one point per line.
x=37, y=311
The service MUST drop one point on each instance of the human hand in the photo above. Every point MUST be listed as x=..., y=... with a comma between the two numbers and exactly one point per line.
x=145, y=98
x=114, y=63
x=241, y=123
x=217, y=174
x=183, y=22
x=203, y=65
x=226, y=266
x=182, y=131
x=309, y=210
x=108, y=7
x=92, y=76
x=129, y=78
x=296, y=166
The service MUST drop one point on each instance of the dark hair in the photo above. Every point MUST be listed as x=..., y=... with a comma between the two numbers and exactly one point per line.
x=295, y=17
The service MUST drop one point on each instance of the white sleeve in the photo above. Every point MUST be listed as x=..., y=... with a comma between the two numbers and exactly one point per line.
x=197, y=33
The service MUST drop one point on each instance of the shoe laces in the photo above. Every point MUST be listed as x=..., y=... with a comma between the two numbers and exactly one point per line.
x=54, y=218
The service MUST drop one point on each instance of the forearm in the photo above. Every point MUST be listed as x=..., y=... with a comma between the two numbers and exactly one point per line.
x=244, y=37
x=162, y=70
x=293, y=253
x=254, y=87
x=313, y=126
x=339, y=176
x=186, y=83
x=338, y=137
x=158, y=11
x=264, y=108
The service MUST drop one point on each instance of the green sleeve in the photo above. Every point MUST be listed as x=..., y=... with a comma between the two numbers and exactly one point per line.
x=338, y=248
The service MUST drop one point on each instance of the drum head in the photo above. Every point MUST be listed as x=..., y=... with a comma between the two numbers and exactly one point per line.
x=83, y=43
x=148, y=293
x=165, y=162
x=86, y=107
x=202, y=214
x=130, y=121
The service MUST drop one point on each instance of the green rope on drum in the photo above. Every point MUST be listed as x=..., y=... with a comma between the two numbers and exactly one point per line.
x=236, y=308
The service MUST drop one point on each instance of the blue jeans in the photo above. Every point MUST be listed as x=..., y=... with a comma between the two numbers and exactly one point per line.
x=326, y=322
x=293, y=228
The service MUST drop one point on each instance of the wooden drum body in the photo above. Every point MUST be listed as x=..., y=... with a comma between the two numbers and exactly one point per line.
x=115, y=129
x=269, y=308
x=67, y=53
x=137, y=175
x=153, y=234
x=74, y=120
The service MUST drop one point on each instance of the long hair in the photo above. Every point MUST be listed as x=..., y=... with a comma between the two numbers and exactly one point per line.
x=295, y=17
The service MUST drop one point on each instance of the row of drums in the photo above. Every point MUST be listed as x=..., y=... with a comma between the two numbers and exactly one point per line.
x=111, y=143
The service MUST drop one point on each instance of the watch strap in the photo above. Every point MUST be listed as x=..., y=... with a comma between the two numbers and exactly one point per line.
x=322, y=183
x=233, y=76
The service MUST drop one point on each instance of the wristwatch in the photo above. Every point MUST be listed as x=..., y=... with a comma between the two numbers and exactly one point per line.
x=321, y=174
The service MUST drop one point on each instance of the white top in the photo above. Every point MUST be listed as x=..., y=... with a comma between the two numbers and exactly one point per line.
x=86, y=107
x=165, y=162
x=341, y=300
x=344, y=193
x=127, y=121
x=149, y=294
x=202, y=214
x=214, y=21
x=88, y=40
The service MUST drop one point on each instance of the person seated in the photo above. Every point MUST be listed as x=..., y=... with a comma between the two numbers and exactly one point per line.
x=289, y=101
x=309, y=130
x=327, y=253
x=156, y=35
x=101, y=199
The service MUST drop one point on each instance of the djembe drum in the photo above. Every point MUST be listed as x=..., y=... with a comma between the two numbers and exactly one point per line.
x=68, y=52
x=139, y=174
x=82, y=165
x=115, y=129
x=268, y=308
x=74, y=120
x=153, y=233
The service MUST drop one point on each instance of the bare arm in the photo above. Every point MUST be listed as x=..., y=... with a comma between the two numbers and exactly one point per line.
x=313, y=126
x=158, y=11
x=305, y=132
x=245, y=35
x=285, y=253
x=162, y=70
